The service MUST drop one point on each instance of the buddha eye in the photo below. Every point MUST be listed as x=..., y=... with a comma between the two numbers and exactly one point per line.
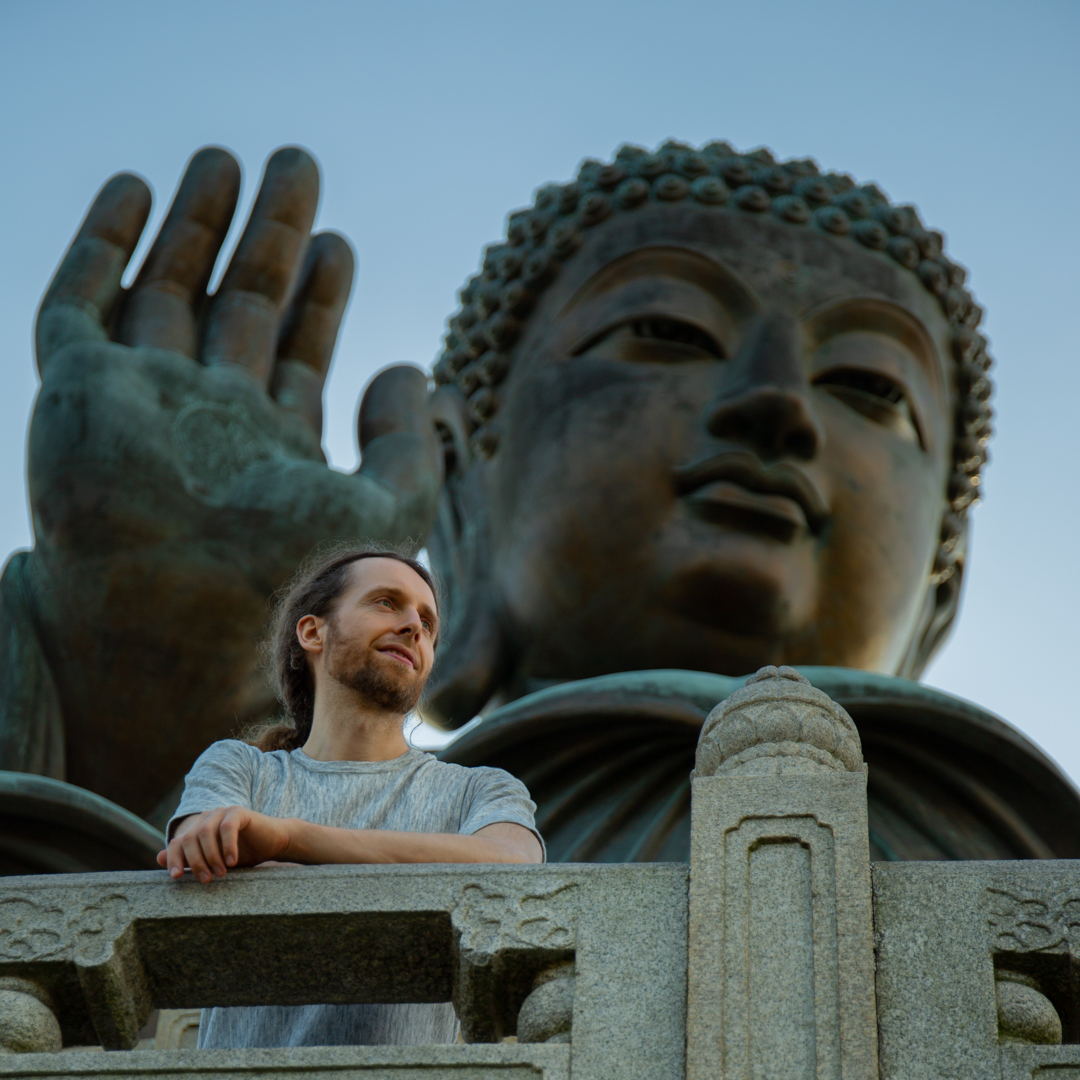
x=864, y=382
x=878, y=397
x=655, y=339
x=675, y=330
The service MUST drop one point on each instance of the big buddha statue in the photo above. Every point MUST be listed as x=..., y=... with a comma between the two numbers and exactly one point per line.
x=701, y=411
x=723, y=412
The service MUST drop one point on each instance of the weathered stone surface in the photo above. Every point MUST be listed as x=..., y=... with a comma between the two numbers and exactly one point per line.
x=937, y=1013
x=777, y=724
x=756, y=962
x=961, y=949
x=1039, y=1062
x=505, y=1062
x=109, y=948
x=1025, y=1014
x=27, y=1022
x=781, y=949
x=505, y=940
x=781, y=979
x=547, y=1014
x=630, y=982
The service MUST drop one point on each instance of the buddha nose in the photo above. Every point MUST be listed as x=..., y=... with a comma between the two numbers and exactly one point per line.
x=769, y=408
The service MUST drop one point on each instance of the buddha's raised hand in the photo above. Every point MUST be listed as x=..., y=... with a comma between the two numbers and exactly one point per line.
x=176, y=470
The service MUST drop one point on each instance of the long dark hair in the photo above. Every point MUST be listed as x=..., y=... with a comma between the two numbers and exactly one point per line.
x=314, y=590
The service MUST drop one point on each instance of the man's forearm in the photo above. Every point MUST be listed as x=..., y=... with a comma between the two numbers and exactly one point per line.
x=315, y=844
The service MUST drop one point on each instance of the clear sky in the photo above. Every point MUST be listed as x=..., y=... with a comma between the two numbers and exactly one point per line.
x=432, y=120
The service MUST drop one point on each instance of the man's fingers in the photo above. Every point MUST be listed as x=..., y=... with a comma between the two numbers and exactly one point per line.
x=81, y=295
x=246, y=311
x=162, y=306
x=175, y=861
x=229, y=834
x=306, y=344
x=211, y=849
x=193, y=856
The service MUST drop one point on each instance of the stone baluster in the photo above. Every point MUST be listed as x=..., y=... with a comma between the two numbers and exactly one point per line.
x=781, y=975
x=28, y=1021
x=547, y=1014
x=1025, y=1014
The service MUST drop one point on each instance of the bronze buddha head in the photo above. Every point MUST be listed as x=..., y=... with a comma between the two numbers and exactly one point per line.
x=703, y=410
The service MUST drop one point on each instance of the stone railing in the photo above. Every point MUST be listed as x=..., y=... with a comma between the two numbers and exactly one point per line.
x=779, y=953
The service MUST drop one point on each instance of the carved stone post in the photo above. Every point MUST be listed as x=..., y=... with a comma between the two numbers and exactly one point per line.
x=515, y=953
x=781, y=965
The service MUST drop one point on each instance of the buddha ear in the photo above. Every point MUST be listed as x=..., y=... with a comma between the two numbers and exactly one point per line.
x=473, y=656
x=471, y=666
x=450, y=414
x=940, y=605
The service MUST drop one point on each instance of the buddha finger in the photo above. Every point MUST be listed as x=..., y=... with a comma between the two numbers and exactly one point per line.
x=399, y=447
x=162, y=306
x=245, y=313
x=82, y=293
x=307, y=340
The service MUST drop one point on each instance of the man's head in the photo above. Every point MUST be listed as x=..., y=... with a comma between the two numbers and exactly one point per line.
x=366, y=619
x=714, y=429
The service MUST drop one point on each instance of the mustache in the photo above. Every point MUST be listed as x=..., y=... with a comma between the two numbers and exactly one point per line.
x=745, y=468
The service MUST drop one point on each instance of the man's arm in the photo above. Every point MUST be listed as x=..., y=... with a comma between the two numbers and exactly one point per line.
x=234, y=836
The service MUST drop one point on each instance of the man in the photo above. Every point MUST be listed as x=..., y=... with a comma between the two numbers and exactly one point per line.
x=352, y=646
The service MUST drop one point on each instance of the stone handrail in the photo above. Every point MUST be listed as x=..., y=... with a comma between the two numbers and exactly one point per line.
x=99, y=951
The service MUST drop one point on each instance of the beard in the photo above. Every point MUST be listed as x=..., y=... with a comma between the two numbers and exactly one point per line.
x=389, y=686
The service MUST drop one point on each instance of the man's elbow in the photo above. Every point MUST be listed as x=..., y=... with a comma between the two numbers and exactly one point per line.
x=512, y=843
x=524, y=854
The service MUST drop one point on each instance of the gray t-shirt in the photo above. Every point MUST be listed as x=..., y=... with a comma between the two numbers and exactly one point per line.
x=413, y=793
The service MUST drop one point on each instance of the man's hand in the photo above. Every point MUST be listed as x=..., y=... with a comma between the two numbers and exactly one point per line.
x=176, y=471
x=233, y=836
x=230, y=836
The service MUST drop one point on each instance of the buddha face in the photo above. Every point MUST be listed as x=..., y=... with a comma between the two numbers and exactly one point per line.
x=724, y=442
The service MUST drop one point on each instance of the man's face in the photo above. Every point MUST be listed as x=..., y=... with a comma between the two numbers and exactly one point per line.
x=724, y=442
x=381, y=636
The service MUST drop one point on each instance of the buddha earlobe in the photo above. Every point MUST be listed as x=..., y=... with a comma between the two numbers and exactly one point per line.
x=470, y=667
x=473, y=660
x=942, y=598
x=450, y=414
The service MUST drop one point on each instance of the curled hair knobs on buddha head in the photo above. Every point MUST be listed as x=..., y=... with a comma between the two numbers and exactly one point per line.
x=495, y=303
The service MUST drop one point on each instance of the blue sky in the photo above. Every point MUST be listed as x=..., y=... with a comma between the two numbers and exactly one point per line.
x=433, y=120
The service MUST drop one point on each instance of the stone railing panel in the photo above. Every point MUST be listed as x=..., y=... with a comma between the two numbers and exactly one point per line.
x=104, y=950
x=505, y=1062
x=977, y=972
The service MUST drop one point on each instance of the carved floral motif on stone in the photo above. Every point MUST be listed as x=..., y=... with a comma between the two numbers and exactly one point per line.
x=31, y=929
x=1030, y=923
x=491, y=920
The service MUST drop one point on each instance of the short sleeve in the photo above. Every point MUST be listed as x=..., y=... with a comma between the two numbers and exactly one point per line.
x=222, y=776
x=494, y=796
